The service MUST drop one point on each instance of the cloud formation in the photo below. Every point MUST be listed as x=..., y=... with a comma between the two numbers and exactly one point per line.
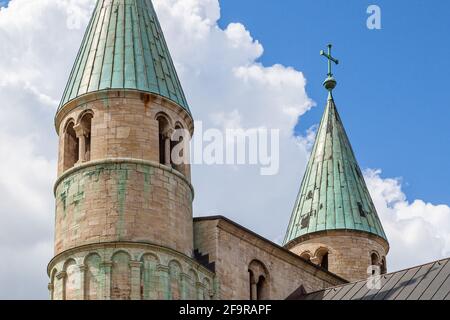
x=418, y=231
x=226, y=87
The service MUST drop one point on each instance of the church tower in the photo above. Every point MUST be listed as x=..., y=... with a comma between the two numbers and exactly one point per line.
x=334, y=222
x=123, y=224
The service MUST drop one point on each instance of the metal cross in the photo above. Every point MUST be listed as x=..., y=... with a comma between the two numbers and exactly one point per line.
x=330, y=59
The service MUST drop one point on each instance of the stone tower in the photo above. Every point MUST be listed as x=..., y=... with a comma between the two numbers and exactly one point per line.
x=123, y=225
x=334, y=222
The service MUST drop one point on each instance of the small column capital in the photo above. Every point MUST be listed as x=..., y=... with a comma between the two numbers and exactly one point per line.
x=80, y=130
x=161, y=268
x=61, y=275
x=135, y=264
x=107, y=264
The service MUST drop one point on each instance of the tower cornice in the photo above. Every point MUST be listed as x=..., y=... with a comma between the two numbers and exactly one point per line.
x=95, y=163
x=106, y=95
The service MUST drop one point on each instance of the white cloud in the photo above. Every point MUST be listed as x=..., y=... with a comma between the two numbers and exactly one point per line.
x=228, y=88
x=36, y=53
x=226, y=85
x=418, y=232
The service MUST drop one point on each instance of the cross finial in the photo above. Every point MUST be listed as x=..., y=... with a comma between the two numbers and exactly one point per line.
x=330, y=82
x=330, y=59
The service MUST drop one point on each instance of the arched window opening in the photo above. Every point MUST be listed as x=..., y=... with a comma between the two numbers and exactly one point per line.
x=174, y=281
x=179, y=149
x=150, y=286
x=84, y=136
x=250, y=284
x=71, y=281
x=259, y=283
x=324, y=262
x=375, y=261
x=92, y=281
x=383, y=266
x=260, y=288
x=52, y=284
x=322, y=258
x=164, y=141
x=71, y=147
x=121, y=277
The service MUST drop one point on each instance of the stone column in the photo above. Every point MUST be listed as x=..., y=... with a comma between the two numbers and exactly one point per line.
x=80, y=132
x=254, y=290
x=51, y=289
x=61, y=276
x=83, y=282
x=165, y=283
x=167, y=149
x=184, y=286
x=135, y=280
x=106, y=285
x=200, y=289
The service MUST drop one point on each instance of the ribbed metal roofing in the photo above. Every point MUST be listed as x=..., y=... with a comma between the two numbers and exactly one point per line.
x=427, y=282
x=124, y=48
x=333, y=194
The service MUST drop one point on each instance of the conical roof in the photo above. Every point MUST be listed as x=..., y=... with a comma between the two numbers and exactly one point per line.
x=333, y=194
x=124, y=48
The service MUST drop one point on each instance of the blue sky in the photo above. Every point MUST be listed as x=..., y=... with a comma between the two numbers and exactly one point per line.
x=392, y=88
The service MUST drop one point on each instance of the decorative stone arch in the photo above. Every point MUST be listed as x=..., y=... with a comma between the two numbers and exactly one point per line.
x=93, y=288
x=164, y=115
x=83, y=114
x=51, y=286
x=70, y=150
x=146, y=254
x=150, y=280
x=175, y=271
x=109, y=257
x=375, y=258
x=121, y=276
x=259, y=280
x=71, y=280
x=375, y=261
x=307, y=255
x=165, y=128
x=321, y=257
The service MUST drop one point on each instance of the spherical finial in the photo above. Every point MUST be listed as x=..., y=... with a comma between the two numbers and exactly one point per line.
x=330, y=83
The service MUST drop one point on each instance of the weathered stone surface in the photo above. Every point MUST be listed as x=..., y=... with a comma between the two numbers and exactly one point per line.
x=234, y=249
x=349, y=252
x=128, y=271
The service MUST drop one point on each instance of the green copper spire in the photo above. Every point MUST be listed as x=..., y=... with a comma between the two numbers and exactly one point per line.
x=124, y=48
x=333, y=193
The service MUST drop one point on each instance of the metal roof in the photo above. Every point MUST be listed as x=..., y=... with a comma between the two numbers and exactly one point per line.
x=124, y=48
x=427, y=282
x=333, y=193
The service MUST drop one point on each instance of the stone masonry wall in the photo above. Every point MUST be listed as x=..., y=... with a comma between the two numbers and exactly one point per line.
x=123, y=201
x=234, y=249
x=349, y=253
